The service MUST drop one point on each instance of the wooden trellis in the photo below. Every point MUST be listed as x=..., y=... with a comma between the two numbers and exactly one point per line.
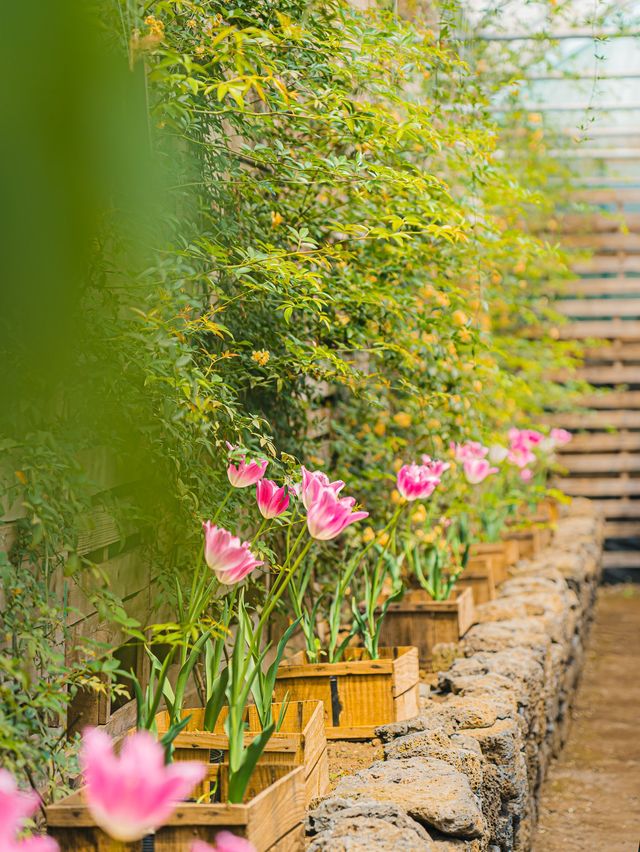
x=603, y=301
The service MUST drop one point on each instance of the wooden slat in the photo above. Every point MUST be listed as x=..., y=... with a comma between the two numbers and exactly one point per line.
x=610, y=243
x=601, y=308
x=616, y=375
x=613, y=195
x=602, y=264
x=615, y=328
x=600, y=486
x=624, y=508
x=617, y=350
x=602, y=462
x=614, y=221
x=622, y=529
x=601, y=442
x=596, y=420
x=612, y=399
x=621, y=559
x=601, y=286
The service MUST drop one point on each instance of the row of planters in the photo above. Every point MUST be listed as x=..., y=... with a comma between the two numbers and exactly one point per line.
x=363, y=606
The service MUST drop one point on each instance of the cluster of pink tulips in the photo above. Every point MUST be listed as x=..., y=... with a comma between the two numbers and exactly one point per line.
x=327, y=515
x=129, y=796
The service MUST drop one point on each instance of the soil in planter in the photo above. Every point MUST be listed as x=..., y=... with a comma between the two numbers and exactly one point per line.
x=347, y=757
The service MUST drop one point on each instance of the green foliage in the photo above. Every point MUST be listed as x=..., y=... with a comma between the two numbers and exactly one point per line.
x=311, y=208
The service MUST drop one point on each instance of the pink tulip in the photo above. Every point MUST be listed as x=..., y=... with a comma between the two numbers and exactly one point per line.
x=16, y=806
x=312, y=484
x=416, y=481
x=477, y=470
x=225, y=842
x=469, y=450
x=229, y=558
x=133, y=794
x=560, y=437
x=526, y=474
x=437, y=468
x=520, y=456
x=272, y=501
x=525, y=437
x=246, y=473
x=328, y=515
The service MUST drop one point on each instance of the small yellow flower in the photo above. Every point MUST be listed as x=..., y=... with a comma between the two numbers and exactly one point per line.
x=397, y=464
x=465, y=334
x=402, y=419
x=459, y=318
x=420, y=535
x=191, y=24
x=433, y=423
x=396, y=497
x=383, y=539
x=276, y=219
x=443, y=300
x=420, y=515
x=379, y=429
x=261, y=356
x=477, y=386
x=368, y=535
x=21, y=477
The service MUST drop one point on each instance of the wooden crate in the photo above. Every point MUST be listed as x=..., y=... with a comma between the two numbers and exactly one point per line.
x=480, y=578
x=504, y=554
x=301, y=741
x=271, y=818
x=358, y=693
x=423, y=622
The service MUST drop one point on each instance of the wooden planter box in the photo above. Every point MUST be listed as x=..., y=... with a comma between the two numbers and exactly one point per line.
x=272, y=819
x=531, y=540
x=480, y=578
x=424, y=622
x=358, y=693
x=503, y=555
x=301, y=741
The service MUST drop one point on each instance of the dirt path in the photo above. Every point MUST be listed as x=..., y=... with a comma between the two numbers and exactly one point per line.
x=591, y=798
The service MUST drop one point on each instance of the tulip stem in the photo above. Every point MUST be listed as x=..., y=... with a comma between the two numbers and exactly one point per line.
x=225, y=500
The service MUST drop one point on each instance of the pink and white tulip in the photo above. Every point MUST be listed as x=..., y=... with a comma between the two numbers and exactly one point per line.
x=416, y=481
x=272, y=501
x=328, y=515
x=477, y=470
x=225, y=842
x=436, y=467
x=498, y=453
x=16, y=806
x=229, y=558
x=469, y=450
x=521, y=456
x=246, y=473
x=312, y=484
x=135, y=793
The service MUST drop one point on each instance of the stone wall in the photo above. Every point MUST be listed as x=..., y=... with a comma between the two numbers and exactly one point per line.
x=466, y=773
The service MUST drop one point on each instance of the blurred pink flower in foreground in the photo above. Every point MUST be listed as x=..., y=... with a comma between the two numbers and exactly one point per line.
x=328, y=515
x=229, y=558
x=417, y=481
x=225, y=842
x=133, y=794
x=272, y=501
x=313, y=482
x=245, y=473
x=469, y=450
x=15, y=807
x=560, y=437
x=526, y=474
x=477, y=470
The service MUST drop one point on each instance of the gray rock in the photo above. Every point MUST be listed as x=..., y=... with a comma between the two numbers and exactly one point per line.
x=429, y=790
x=340, y=824
x=438, y=744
